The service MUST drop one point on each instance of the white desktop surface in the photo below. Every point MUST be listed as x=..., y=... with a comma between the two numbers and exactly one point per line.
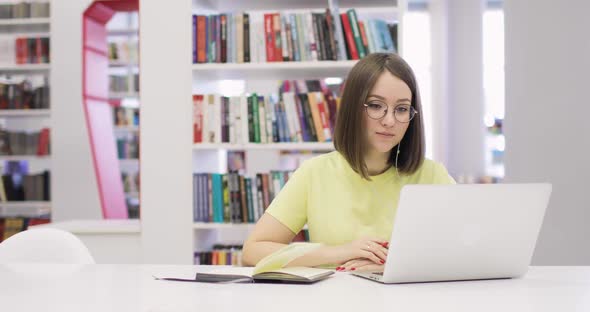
x=121, y=287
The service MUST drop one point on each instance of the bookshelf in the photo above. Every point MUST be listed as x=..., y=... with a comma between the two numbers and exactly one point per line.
x=25, y=70
x=261, y=77
x=25, y=113
x=274, y=70
x=169, y=234
x=26, y=21
x=25, y=209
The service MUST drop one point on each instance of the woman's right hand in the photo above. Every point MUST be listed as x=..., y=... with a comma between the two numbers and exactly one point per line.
x=373, y=249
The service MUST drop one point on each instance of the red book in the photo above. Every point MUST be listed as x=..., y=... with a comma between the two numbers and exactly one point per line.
x=349, y=38
x=43, y=144
x=276, y=25
x=201, y=39
x=198, y=118
x=269, y=37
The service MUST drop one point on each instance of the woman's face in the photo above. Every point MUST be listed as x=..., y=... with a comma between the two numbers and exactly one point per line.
x=391, y=93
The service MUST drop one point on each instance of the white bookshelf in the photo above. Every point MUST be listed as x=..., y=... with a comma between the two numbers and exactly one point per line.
x=274, y=70
x=307, y=146
x=16, y=68
x=169, y=157
x=26, y=21
x=24, y=208
x=24, y=157
x=27, y=119
x=25, y=113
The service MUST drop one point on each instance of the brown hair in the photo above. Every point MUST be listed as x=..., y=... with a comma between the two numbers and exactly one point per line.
x=349, y=136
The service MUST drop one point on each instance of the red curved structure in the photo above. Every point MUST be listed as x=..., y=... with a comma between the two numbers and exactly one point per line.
x=97, y=110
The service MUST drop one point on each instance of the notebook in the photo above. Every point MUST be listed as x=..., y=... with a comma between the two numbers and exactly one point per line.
x=270, y=268
x=246, y=274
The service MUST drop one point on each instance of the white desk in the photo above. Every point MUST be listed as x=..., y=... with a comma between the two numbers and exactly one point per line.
x=132, y=288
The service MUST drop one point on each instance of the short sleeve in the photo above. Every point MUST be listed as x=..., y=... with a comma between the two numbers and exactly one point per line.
x=290, y=205
x=441, y=175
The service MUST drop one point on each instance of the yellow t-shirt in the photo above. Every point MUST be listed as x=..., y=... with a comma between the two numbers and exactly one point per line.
x=340, y=206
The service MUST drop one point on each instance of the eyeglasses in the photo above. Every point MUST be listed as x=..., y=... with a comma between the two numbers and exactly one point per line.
x=403, y=113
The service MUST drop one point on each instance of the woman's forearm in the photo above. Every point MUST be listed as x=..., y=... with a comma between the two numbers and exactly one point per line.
x=256, y=251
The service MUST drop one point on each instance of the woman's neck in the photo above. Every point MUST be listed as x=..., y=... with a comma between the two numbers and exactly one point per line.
x=377, y=163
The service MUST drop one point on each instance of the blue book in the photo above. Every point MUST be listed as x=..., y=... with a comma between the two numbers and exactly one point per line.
x=217, y=187
x=385, y=42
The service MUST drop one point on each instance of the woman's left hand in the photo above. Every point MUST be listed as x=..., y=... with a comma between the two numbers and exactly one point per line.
x=361, y=265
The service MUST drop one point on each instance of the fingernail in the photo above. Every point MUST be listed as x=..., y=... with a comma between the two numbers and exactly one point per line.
x=352, y=269
x=339, y=268
x=382, y=261
x=386, y=244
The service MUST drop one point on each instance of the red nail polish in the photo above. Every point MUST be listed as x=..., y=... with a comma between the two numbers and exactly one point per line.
x=382, y=261
x=352, y=269
x=386, y=244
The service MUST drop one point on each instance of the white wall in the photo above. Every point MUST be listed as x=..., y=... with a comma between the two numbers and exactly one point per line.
x=547, y=118
x=166, y=134
x=457, y=96
x=73, y=181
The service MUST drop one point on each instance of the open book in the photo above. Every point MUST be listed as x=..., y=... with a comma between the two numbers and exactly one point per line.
x=271, y=268
x=246, y=274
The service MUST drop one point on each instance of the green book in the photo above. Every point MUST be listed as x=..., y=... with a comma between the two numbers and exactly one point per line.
x=356, y=33
x=255, y=118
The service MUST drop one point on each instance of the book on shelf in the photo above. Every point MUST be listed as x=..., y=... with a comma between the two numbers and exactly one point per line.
x=298, y=114
x=22, y=143
x=25, y=9
x=235, y=198
x=24, y=50
x=24, y=92
x=28, y=187
x=289, y=36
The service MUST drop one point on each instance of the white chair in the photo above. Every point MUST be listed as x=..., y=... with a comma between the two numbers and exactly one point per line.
x=44, y=246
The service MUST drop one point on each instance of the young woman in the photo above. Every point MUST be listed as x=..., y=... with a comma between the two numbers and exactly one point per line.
x=348, y=198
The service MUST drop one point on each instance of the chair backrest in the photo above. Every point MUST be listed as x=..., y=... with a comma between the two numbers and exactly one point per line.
x=44, y=246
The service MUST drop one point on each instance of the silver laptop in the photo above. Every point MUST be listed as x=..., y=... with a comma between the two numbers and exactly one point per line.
x=463, y=232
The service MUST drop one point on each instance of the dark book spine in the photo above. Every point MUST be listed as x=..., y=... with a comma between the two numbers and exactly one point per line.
x=248, y=182
x=308, y=117
x=246, y=37
x=243, y=199
x=251, y=119
x=275, y=128
x=326, y=34
x=301, y=117
x=321, y=44
x=333, y=44
x=260, y=197
x=196, y=198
